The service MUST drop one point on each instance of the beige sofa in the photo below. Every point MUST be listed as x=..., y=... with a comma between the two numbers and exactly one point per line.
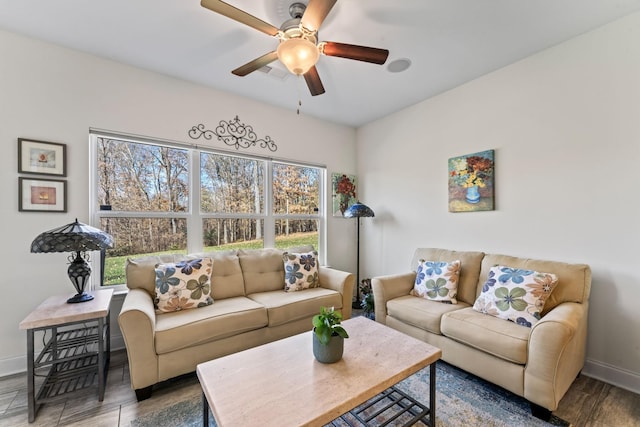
x=250, y=308
x=538, y=363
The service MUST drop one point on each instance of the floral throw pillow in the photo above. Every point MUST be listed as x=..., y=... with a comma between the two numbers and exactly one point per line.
x=300, y=271
x=183, y=285
x=515, y=294
x=437, y=281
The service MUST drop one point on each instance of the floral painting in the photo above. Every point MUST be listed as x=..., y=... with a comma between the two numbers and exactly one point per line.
x=344, y=192
x=471, y=182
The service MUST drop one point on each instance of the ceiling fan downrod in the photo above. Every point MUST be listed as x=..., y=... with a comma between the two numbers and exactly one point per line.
x=296, y=10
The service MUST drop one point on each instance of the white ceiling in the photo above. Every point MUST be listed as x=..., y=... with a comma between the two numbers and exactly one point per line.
x=448, y=42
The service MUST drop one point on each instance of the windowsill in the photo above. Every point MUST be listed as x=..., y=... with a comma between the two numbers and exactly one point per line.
x=117, y=292
x=117, y=289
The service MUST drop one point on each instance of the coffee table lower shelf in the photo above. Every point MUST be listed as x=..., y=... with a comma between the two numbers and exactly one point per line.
x=391, y=407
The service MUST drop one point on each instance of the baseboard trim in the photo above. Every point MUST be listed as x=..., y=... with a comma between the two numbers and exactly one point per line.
x=117, y=343
x=13, y=365
x=612, y=375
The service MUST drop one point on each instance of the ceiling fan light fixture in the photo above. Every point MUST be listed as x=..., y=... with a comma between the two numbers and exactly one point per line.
x=298, y=49
x=298, y=54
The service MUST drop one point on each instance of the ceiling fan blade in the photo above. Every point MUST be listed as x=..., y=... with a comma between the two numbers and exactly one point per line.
x=313, y=81
x=239, y=15
x=315, y=13
x=352, y=51
x=256, y=64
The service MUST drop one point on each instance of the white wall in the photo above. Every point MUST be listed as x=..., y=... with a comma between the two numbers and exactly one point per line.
x=565, y=126
x=55, y=94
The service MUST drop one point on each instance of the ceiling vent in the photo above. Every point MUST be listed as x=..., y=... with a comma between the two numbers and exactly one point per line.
x=274, y=72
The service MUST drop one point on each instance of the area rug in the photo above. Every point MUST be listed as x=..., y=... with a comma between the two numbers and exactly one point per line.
x=461, y=400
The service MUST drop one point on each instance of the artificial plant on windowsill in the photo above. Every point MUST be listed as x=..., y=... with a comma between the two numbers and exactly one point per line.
x=328, y=335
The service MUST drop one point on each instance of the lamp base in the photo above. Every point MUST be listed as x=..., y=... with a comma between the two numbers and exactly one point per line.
x=83, y=297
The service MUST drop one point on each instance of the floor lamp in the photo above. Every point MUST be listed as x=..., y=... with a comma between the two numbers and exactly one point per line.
x=357, y=211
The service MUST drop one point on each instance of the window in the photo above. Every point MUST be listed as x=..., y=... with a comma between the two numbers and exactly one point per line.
x=296, y=201
x=146, y=195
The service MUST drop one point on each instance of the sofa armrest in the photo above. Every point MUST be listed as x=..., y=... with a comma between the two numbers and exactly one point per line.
x=137, y=321
x=339, y=281
x=556, y=354
x=386, y=288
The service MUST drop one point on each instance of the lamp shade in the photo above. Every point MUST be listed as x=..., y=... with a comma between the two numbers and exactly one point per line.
x=79, y=238
x=358, y=210
x=298, y=55
x=74, y=237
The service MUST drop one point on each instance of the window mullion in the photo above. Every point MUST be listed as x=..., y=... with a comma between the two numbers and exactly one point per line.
x=269, y=220
x=194, y=220
x=322, y=211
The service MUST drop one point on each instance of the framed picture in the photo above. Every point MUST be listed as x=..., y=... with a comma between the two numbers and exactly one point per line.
x=471, y=182
x=41, y=157
x=38, y=195
x=343, y=192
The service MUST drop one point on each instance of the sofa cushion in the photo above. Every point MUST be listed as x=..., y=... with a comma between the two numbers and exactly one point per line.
x=420, y=312
x=227, y=317
x=492, y=335
x=262, y=269
x=226, y=278
x=300, y=271
x=574, y=280
x=183, y=285
x=437, y=280
x=284, y=307
x=141, y=274
x=515, y=294
x=469, y=268
x=301, y=249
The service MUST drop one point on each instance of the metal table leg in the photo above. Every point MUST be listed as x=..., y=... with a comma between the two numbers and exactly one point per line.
x=205, y=411
x=31, y=398
x=432, y=394
x=101, y=356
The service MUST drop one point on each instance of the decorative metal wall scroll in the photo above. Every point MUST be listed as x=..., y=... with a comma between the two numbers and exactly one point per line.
x=233, y=133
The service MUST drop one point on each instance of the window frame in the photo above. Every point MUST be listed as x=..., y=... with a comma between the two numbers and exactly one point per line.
x=194, y=215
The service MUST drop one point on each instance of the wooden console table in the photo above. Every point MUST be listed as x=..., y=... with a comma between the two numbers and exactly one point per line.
x=77, y=345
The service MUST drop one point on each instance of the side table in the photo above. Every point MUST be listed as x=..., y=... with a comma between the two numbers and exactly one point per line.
x=77, y=345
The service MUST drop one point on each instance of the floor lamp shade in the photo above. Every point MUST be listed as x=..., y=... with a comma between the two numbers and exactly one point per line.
x=358, y=210
x=77, y=238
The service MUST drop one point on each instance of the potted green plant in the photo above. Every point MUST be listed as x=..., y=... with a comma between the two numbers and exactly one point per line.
x=367, y=304
x=328, y=335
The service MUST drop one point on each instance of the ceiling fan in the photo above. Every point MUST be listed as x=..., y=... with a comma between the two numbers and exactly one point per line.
x=298, y=49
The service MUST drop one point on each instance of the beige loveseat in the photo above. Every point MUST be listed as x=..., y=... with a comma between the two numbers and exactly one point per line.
x=538, y=363
x=250, y=308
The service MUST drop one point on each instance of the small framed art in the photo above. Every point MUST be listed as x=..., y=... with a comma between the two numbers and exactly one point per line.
x=42, y=195
x=41, y=157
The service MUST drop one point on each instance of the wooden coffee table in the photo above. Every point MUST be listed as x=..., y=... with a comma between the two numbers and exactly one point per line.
x=281, y=383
